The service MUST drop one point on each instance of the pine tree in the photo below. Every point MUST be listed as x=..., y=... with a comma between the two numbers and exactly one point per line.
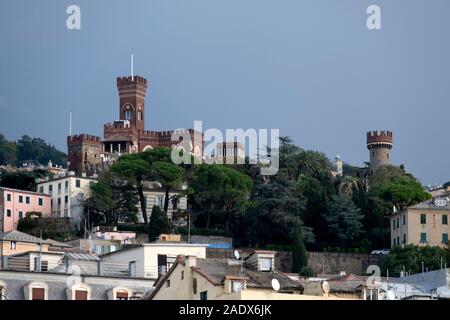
x=299, y=254
x=159, y=223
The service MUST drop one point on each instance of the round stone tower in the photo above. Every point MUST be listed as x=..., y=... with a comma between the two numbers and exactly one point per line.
x=379, y=144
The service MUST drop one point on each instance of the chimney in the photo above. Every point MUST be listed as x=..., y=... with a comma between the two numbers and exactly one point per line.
x=191, y=261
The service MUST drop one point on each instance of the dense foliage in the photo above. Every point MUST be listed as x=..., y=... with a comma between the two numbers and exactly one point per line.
x=27, y=149
x=22, y=180
x=303, y=200
x=411, y=259
x=159, y=223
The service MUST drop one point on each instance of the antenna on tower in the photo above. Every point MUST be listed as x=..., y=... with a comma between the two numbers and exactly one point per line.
x=70, y=123
x=132, y=67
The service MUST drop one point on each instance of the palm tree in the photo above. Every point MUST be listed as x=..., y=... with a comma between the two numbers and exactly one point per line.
x=348, y=185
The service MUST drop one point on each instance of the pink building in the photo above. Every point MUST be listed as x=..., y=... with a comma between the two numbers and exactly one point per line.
x=14, y=205
x=111, y=233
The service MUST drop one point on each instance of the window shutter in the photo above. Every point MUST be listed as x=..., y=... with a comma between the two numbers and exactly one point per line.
x=38, y=293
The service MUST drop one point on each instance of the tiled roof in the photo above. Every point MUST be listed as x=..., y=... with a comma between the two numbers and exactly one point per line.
x=215, y=271
x=20, y=237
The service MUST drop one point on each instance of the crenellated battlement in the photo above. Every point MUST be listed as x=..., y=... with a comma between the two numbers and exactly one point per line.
x=82, y=138
x=379, y=137
x=131, y=80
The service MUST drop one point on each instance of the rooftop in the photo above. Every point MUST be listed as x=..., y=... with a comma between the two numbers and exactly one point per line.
x=21, y=237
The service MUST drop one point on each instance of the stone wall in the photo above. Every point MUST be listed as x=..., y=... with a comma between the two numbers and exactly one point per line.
x=320, y=262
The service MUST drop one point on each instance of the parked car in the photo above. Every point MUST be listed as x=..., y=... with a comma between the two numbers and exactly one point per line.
x=378, y=252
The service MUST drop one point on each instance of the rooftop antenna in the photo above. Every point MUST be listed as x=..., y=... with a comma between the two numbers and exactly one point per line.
x=132, y=67
x=70, y=123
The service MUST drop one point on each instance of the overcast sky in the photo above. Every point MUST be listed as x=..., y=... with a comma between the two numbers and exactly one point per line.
x=308, y=67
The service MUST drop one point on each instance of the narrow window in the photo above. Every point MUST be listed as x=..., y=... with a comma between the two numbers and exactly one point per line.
x=20, y=199
x=444, y=219
x=27, y=200
x=445, y=238
x=8, y=197
x=423, y=237
x=423, y=218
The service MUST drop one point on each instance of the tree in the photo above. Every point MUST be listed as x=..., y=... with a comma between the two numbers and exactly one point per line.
x=22, y=180
x=344, y=219
x=101, y=203
x=111, y=200
x=222, y=189
x=348, y=185
x=7, y=151
x=206, y=185
x=159, y=223
x=169, y=175
x=410, y=258
x=235, y=193
x=299, y=254
x=38, y=151
x=134, y=169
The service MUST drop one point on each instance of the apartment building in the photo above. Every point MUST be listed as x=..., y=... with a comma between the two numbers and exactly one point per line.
x=14, y=205
x=67, y=192
x=426, y=223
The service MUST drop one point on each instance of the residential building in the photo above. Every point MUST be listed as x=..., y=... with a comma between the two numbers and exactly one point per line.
x=155, y=196
x=213, y=242
x=15, y=242
x=111, y=233
x=193, y=278
x=77, y=277
x=95, y=245
x=150, y=260
x=14, y=205
x=68, y=193
x=33, y=261
x=230, y=153
x=426, y=223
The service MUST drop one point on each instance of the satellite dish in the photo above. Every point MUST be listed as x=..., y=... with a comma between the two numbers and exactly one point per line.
x=275, y=285
x=390, y=295
x=326, y=287
x=237, y=255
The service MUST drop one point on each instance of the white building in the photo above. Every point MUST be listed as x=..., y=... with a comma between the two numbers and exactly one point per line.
x=68, y=193
x=149, y=260
x=156, y=197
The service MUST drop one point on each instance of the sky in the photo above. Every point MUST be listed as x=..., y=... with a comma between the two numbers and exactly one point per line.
x=310, y=68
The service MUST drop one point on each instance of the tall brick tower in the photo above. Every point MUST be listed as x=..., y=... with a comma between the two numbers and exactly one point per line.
x=132, y=91
x=379, y=145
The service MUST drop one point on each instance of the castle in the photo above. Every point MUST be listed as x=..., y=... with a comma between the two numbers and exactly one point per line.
x=88, y=154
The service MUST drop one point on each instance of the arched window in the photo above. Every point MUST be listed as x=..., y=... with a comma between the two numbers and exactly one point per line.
x=140, y=115
x=128, y=114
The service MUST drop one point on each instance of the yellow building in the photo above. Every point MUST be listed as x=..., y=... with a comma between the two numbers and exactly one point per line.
x=15, y=242
x=192, y=278
x=425, y=223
